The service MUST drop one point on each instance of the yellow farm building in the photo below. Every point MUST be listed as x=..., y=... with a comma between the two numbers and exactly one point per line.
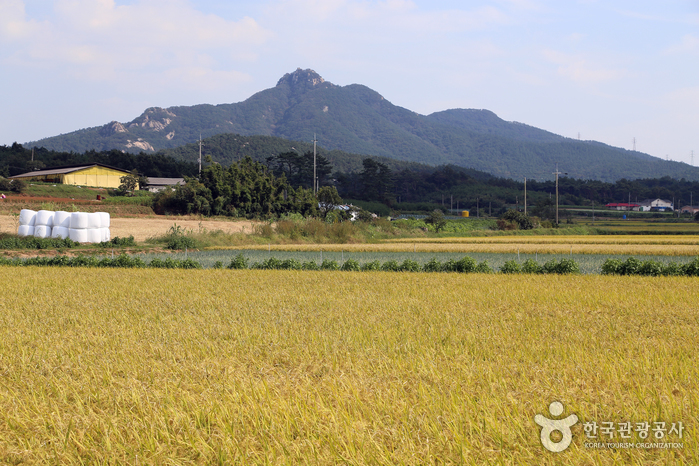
x=93, y=175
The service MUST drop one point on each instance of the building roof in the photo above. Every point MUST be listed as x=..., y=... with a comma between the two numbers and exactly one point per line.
x=164, y=181
x=65, y=169
x=647, y=202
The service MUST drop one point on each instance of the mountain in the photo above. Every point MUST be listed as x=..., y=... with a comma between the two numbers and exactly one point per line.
x=358, y=120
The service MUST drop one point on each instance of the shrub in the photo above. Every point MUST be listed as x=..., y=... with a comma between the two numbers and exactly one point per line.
x=672, y=269
x=238, y=262
x=629, y=267
x=371, y=266
x=351, y=265
x=218, y=265
x=390, y=266
x=567, y=266
x=180, y=242
x=691, y=269
x=432, y=266
x=329, y=265
x=530, y=266
x=651, y=268
x=465, y=265
x=290, y=264
x=409, y=266
x=510, y=266
x=483, y=267
x=118, y=242
x=310, y=265
x=611, y=267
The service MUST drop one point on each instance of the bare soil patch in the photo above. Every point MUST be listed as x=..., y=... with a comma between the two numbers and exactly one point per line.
x=144, y=227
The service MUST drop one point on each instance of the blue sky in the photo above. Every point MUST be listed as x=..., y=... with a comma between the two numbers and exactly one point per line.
x=609, y=70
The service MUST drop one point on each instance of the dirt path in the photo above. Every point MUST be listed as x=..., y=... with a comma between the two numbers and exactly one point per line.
x=145, y=227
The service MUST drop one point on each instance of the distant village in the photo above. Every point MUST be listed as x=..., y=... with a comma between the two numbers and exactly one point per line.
x=651, y=205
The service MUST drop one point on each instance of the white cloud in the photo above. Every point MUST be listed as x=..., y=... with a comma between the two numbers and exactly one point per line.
x=581, y=70
x=689, y=44
x=401, y=15
x=99, y=40
x=13, y=23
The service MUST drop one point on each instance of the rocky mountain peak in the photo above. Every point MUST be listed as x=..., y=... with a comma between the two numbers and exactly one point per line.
x=154, y=118
x=112, y=128
x=301, y=79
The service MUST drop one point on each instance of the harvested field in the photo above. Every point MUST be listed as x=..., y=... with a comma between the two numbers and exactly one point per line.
x=145, y=227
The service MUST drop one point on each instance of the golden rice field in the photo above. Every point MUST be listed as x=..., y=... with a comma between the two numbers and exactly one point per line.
x=178, y=367
x=564, y=239
x=512, y=245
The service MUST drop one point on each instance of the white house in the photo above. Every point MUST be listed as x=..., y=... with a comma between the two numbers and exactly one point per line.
x=659, y=205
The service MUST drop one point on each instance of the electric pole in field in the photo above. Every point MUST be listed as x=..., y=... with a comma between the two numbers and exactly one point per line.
x=315, y=179
x=200, y=155
x=525, y=190
x=557, y=173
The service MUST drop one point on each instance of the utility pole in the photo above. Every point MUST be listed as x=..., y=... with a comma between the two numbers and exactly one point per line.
x=315, y=179
x=525, y=190
x=593, y=211
x=490, y=213
x=478, y=212
x=557, y=173
x=200, y=155
x=451, y=203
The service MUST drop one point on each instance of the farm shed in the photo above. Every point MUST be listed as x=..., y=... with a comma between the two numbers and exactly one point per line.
x=158, y=184
x=95, y=175
x=656, y=205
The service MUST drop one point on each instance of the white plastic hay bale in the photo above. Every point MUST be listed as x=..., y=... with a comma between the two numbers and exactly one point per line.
x=44, y=217
x=104, y=217
x=94, y=221
x=79, y=235
x=105, y=234
x=25, y=230
x=94, y=235
x=42, y=231
x=78, y=221
x=60, y=232
x=61, y=219
x=27, y=217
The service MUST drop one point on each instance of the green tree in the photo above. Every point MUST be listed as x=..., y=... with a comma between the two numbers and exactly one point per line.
x=328, y=199
x=512, y=217
x=129, y=183
x=436, y=218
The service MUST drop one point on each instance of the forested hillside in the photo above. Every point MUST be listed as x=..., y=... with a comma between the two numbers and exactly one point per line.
x=358, y=120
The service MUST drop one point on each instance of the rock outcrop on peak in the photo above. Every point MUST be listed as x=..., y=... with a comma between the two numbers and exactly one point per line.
x=112, y=128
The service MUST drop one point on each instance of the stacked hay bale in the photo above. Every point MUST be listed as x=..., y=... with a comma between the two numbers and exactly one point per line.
x=43, y=223
x=27, y=219
x=61, y=225
x=80, y=227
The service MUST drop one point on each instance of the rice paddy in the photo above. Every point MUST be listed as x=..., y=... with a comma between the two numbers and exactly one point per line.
x=281, y=367
x=451, y=245
x=589, y=263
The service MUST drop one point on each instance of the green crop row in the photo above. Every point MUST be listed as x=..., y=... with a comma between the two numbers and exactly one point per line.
x=31, y=242
x=464, y=265
x=122, y=261
x=633, y=266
